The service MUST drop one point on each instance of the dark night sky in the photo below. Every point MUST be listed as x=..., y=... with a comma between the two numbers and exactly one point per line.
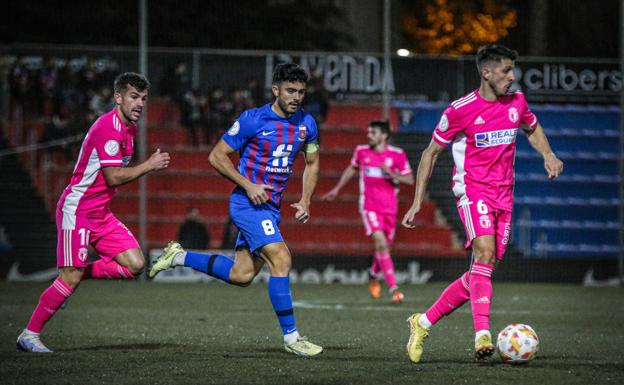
x=576, y=28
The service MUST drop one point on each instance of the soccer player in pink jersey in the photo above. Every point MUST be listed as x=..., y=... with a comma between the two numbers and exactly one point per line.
x=482, y=128
x=83, y=215
x=381, y=168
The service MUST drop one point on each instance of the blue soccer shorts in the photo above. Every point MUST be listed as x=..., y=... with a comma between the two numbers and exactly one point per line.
x=258, y=225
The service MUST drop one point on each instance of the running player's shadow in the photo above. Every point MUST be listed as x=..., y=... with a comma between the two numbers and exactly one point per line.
x=279, y=351
x=467, y=361
x=145, y=346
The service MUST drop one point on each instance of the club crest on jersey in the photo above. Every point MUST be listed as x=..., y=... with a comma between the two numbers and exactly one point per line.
x=111, y=147
x=234, y=129
x=83, y=252
x=302, y=133
x=484, y=221
x=443, y=125
x=495, y=138
x=513, y=114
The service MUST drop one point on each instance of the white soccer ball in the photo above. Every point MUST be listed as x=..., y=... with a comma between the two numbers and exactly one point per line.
x=517, y=343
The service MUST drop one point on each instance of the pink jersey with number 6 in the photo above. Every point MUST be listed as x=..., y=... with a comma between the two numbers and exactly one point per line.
x=483, y=134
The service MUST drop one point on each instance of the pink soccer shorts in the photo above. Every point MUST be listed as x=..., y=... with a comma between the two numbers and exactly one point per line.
x=108, y=236
x=480, y=218
x=375, y=221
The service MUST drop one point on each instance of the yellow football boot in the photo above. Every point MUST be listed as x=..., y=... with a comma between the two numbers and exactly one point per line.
x=165, y=261
x=416, y=342
x=303, y=348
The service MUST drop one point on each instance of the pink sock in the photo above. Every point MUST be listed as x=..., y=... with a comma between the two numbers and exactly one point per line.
x=102, y=269
x=455, y=295
x=481, y=295
x=385, y=263
x=49, y=302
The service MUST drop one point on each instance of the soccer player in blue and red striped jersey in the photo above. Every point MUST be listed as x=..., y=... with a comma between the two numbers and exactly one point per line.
x=268, y=139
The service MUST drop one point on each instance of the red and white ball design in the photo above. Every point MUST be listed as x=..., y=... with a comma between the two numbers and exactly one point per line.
x=517, y=343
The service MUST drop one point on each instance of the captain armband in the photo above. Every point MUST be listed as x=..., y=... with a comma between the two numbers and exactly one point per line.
x=311, y=148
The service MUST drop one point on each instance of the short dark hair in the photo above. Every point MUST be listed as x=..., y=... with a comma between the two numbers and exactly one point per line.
x=383, y=125
x=494, y=52
x=134, y=79
x=289, y=72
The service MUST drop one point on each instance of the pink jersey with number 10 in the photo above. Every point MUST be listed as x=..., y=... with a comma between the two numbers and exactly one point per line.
x=483, y=134
x=109, y=143
x=378, y=191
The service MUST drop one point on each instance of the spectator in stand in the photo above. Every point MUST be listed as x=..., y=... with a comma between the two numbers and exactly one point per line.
x=316, y=101
x=58, y=128
x=254, y=93
x=19, y=83
x=102, y=101
x=239, y=101
x=109, y=72
x=191, y=117
x=181, y=82
x=193, y=233
x=218, y=117
x=48, y=76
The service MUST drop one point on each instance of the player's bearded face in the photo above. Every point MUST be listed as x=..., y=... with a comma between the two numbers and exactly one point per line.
x=501, y=77
x=289, y=96
x=375, y=137
x=131, y=103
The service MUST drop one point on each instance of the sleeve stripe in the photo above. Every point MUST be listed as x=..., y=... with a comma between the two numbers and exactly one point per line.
x=115, y=161
x=534, y=121
x=441, y=139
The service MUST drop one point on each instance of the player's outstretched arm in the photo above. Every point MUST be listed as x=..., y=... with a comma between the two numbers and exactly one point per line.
x=116, y=176
x=425, y=169
x=310, y=177
x=539, y=141
x=219, y=158
x=346, y=176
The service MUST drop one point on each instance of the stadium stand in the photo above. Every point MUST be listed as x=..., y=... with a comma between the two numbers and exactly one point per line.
x=191, y=182
x=23, y=213
x=574, y=217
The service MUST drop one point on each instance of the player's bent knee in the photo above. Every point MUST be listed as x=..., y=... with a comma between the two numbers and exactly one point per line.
x=243, y=280
x=282, y=268
x=136, y=266
x=242, y=277
x=71, y=276
x=280, y=264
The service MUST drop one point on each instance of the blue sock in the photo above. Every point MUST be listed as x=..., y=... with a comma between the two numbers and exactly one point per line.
x=214, y=265
x=281, y=298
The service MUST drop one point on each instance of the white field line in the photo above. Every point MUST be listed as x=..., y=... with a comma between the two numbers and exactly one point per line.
x=324, y=305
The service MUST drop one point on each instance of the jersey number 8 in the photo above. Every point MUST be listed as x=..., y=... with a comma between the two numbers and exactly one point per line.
x=267, y=226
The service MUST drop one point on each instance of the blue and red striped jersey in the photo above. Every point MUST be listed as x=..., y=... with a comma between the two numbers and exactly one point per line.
x=268, y=145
